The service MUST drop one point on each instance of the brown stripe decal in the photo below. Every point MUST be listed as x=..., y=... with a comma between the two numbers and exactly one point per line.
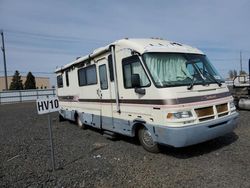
x=98, y=100
x=66, y=97
x=203, y=98
x=152, y=101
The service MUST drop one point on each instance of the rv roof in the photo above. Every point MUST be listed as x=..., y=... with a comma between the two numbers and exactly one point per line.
x=141, y=46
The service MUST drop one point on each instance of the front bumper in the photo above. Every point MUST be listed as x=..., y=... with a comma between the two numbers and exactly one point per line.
x=194, y=134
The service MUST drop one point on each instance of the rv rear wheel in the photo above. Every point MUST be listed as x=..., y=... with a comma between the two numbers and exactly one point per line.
x=80, y=123
x=61, y=118
x=147, y=141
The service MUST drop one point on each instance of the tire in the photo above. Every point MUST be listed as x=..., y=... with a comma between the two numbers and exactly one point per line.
x=146, y=140
x=61, y=118
x=80, y=123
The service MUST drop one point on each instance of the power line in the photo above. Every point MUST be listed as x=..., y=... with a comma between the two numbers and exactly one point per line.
x=55, y=37
x=70, y=39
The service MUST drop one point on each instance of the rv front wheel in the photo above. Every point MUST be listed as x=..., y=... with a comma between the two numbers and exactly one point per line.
x=147, y=141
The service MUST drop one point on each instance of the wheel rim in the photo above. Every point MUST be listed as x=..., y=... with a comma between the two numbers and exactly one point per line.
x=147, y=138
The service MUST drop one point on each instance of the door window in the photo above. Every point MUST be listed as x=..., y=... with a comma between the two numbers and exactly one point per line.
x=132, y=65
x=103, y=77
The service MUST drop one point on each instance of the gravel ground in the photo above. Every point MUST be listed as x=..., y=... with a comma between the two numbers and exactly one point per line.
x=85, y=158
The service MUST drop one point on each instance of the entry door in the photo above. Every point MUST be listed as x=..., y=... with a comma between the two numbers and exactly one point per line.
x=104, y=93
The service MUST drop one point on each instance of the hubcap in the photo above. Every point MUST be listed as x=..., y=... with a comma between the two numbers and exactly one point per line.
x=147, y=138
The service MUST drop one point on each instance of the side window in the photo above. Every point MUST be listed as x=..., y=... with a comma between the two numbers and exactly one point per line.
x=87, y=76
x=91, y=75
x=59, y=81
x=103, y=77
x=111, y=71
x=132, y=65
x=67, y=77
x=82, y=77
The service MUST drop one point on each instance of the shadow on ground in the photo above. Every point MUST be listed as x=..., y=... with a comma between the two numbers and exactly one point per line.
x=200, y=149
x=191, y=151
x=185, y=152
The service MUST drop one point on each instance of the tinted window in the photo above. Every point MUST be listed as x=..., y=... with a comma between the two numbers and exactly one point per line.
x=132, y=65
x=67, y=77
x=87, y=76
x=103, y=77
x=91, y=75
x=111, y=72
x=59, y=81
x=82, y=77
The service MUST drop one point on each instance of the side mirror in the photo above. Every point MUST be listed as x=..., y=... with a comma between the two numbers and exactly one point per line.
x=135, y=80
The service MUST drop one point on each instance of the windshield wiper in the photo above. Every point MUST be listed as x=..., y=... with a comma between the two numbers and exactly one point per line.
x=191, y=84
x=213, y=78
x=192, y=61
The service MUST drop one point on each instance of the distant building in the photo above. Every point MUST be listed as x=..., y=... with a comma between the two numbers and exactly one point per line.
x=41, y=82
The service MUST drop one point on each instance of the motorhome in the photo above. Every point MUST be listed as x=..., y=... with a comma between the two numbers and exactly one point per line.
x=160, y=91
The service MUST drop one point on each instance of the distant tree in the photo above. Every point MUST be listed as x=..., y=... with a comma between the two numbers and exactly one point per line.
x=16, y=83
x=242, y=73
x=235, y=73
x=30, y=82
x=232, y=74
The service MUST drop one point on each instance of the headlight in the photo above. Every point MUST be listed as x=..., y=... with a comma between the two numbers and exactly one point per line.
x=179, y=115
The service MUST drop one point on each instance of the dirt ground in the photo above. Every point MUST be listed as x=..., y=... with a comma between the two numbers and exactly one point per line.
x=85, y=158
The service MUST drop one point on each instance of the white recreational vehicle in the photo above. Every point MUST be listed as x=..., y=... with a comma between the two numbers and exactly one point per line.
x=159, y=91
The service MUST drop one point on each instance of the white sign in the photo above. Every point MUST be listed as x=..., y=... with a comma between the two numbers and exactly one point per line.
x=47, y=105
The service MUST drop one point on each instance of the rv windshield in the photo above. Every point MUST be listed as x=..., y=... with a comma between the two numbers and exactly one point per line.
x=179, y=69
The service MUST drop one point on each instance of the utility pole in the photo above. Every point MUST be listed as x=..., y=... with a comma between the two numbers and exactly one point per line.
x=249, y=68
x=240, y=62
x=4, y=61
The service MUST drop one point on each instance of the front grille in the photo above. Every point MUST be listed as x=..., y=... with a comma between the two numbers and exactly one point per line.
x=204, y=114
x=222, y=109
x=210, y=112
x=223, y=114
x=207, y=111
x=206, y=118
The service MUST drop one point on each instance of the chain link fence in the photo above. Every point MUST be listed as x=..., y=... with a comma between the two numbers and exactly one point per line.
x=15, y=96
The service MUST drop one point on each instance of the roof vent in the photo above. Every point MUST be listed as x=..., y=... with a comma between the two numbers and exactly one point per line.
x=175, y=43
x=157, y=38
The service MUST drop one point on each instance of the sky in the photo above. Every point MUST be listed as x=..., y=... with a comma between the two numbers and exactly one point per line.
x=42, y=35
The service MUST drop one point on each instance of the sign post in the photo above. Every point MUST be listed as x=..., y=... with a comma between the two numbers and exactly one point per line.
x=51, y=143
x=46, y=106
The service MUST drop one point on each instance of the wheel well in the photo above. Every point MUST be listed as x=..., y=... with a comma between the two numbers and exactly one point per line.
x=75, y=115
x=137, y=127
